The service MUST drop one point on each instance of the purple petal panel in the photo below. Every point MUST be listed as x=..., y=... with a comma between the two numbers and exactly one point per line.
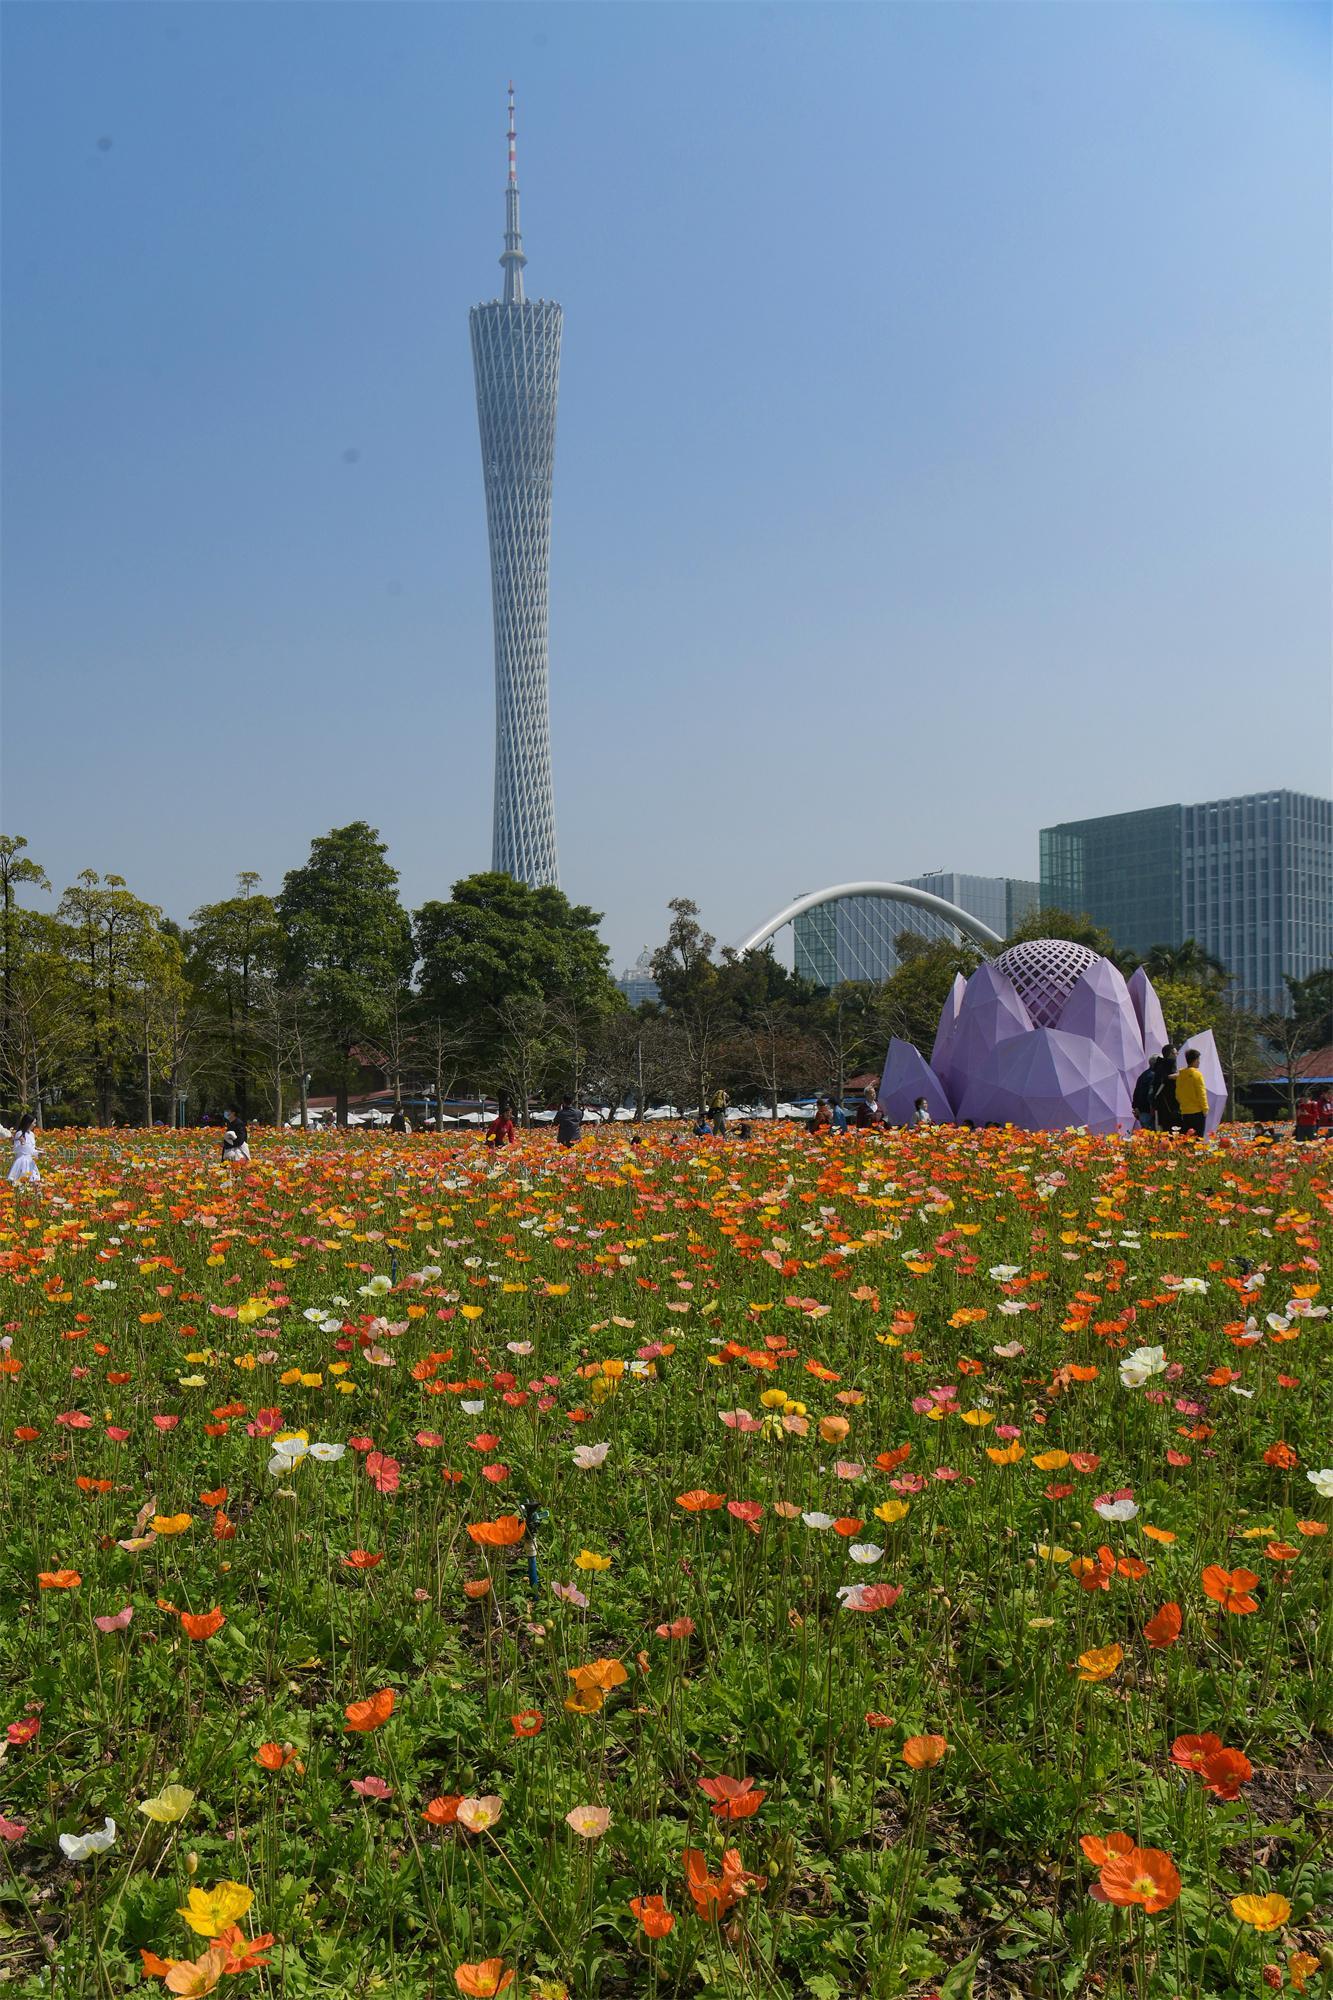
x=1213, y=1080
x=1148, y=1008
x=907, y=1076
x=944, y=1034
x=1046, y=1081
x=1100, y=1008
x=990, y=1012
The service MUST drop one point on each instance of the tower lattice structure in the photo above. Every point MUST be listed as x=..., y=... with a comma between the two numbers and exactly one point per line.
x=516, y=361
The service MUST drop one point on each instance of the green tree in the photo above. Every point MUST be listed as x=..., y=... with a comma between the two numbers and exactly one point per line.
x=911, y=999
x=233, y=957
x=1312, y=1004
x=1053, y=923
x=1187, y=964
x=694, y=997
x=109, y=932
x=498, y=941
x=347, y=940
x=17, y=871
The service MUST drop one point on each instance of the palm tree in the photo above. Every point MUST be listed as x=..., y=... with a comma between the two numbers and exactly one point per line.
x=1188, y=962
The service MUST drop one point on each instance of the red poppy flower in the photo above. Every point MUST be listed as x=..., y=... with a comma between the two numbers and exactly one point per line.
x=1225, y=1771
x=528, y=1723
x=1193, y=1752
x=1163, y=1628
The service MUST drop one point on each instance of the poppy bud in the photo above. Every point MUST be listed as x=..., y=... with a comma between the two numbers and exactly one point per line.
x=192, y=1863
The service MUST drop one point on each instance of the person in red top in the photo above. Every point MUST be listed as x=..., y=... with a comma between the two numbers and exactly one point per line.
x=502, y=1128
x=1308, y=1120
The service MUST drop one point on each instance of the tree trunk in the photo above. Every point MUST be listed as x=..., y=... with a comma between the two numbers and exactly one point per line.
x=147, y=1080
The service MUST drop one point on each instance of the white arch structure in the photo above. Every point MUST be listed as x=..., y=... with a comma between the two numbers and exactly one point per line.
x=888, y=892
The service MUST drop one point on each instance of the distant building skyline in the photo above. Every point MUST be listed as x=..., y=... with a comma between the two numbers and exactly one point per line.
x=636, y=982
x=855, y=937
x=516, y=363
x=1250, y=879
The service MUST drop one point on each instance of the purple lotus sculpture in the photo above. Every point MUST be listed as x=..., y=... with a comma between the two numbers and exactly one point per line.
x=1047, y=1036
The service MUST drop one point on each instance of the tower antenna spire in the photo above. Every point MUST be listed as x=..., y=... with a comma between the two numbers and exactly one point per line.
x=513, y=259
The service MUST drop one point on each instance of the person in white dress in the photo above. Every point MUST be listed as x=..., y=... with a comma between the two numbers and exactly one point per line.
x=25, y=1152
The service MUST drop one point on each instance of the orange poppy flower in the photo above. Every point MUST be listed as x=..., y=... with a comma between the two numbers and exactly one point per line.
x=202, y=1624
x=699, y=1501
x=498, y=1534
x=1163, y=1628
x=922, y=1753
x=443, y=1811
x=1154, y=1534
x=529, y=1723
x=1231, y=1588
x=653, y=1914
x=1100, y=1850
x=370, y=1714
x=272, y=1756
x=601, y=1674
x=476, y=1587
x=714, y=1895
x=216, y=1497
x=486, y=1978
x=1312, y=1527
x=733, y=1798
x=58, y=1579
x=1146, y=1876
x=361, y=1559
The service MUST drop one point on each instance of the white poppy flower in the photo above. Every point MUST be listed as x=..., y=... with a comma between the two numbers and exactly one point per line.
x=589, y=1457
x=1322, y=1482
x=1002, y=1273
x=818, y=1520
x=327, y=1454
x=78, y=1846
x=1117, y=1510
x=1140, y=1366
x=473, y=1409
x=865, y=1552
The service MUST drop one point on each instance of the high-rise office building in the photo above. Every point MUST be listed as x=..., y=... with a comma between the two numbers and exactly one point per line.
x=516, y=360
x=1249, y=879
x=855, y=937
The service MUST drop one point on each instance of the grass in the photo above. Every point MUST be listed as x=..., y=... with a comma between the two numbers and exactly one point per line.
x=701, y=1390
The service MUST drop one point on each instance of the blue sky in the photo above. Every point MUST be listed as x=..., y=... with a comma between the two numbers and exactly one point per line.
x=944, y=438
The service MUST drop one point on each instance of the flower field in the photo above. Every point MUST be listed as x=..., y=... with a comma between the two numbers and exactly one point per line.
x=883, y=1566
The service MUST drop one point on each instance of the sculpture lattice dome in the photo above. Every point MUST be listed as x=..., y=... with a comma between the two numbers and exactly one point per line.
x=1044, y=972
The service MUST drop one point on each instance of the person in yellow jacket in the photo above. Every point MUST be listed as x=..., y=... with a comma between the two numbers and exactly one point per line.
x=1192, y=1095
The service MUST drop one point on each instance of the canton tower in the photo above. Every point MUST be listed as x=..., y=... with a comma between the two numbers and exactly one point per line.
x=516, y=360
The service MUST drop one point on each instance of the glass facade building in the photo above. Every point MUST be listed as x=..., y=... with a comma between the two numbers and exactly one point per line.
x=1250, y=879
x=855, y=937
